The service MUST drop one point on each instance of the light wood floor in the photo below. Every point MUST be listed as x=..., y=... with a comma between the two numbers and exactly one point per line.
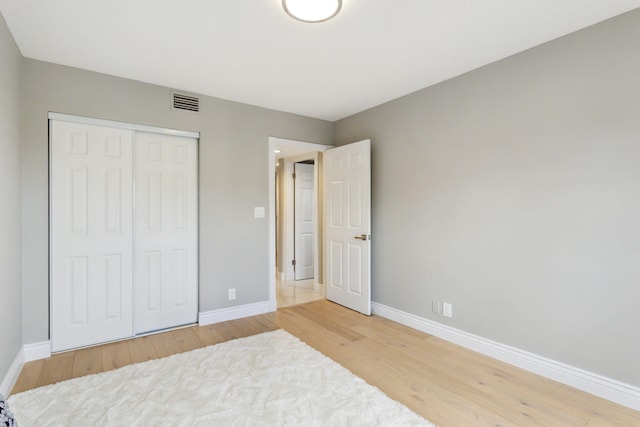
x=444, y=383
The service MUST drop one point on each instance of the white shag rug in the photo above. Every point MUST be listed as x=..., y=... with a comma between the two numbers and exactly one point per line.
x=271, y=379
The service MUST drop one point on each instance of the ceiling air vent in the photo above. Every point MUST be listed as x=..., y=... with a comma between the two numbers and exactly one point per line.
x=186, y=102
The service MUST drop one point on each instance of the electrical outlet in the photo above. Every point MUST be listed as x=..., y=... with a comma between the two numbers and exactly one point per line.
x=447, y=309
x=232, y=294
x=436, y=306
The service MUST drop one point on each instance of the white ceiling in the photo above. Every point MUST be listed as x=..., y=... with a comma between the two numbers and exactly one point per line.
x=250, y=51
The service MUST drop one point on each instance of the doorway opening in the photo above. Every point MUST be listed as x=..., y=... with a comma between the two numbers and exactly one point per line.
x=297, y=278
x=287, y=157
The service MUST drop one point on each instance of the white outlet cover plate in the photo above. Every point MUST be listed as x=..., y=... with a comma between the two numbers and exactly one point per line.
x=258, y=212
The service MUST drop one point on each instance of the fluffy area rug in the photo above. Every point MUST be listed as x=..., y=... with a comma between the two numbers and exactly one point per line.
x=271, y=379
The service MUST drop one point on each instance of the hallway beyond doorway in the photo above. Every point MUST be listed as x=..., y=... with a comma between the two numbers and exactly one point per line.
x=294, y=292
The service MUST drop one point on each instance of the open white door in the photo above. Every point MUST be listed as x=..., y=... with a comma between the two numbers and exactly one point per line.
x=304, y=220
x=347, y=195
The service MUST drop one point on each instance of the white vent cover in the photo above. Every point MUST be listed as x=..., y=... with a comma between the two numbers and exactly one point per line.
x=186, y=102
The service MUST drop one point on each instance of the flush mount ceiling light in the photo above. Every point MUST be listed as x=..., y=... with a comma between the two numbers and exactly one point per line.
x=312, y=10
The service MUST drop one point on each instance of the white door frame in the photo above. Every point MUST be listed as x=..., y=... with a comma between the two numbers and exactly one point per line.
x=283, y=144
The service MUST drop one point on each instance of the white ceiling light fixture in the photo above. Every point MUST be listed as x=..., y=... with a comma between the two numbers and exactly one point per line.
x=312, y=10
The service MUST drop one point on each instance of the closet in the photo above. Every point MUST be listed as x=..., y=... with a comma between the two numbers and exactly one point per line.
x=123, y=230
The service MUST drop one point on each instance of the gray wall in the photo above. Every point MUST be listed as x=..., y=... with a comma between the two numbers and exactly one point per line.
x=233, y=176
x=10, y=212
x=513, y=192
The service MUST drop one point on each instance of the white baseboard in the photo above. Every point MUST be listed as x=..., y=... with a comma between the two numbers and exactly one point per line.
x=37, y=351
x=12, y=374
x=231, y=313
x=607, y=388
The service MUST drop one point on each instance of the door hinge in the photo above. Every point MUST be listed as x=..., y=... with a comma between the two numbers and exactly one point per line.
x=293, y=262
x=294, y=175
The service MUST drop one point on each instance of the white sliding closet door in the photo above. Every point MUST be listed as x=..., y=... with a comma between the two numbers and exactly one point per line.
x=123, y=231
x=166, y=223
x=91, y=233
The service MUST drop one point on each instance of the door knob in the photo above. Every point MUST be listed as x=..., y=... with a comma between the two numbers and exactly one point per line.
x=363, y=237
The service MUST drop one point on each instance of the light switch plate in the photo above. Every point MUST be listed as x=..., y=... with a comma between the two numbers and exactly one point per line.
x=447, y=309
x=258, y=212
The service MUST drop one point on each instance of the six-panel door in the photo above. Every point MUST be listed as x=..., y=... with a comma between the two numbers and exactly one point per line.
x=347, y=201
x=91, y=232
x=166, y=223
x=304, y=220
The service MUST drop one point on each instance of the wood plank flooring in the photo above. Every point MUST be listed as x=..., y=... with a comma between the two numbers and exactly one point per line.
x=445, y=383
